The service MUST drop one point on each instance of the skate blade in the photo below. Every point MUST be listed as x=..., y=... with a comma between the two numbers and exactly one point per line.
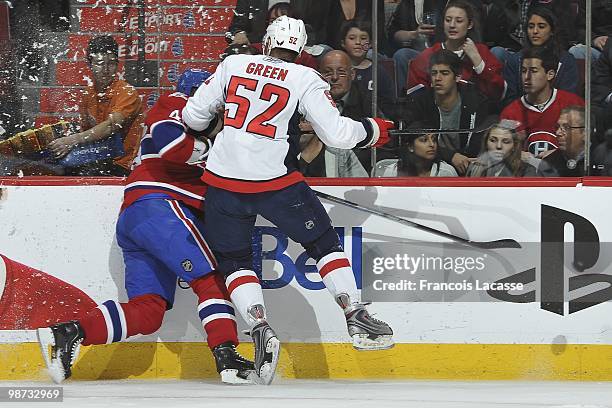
x=363, y=343
x=267, y=370
x=230, y=376
x=46, y=340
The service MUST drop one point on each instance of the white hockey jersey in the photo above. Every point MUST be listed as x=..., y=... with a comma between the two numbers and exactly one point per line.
x=262, y=98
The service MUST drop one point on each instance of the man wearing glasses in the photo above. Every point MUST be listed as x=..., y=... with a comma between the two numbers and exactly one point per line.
x=568, y=159
x=111, y=117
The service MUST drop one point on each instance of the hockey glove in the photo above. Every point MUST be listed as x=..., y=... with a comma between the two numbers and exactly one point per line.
x=200, y=151
x=377, y=132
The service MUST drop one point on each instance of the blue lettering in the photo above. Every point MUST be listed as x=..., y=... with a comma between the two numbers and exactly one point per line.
x=303, y=264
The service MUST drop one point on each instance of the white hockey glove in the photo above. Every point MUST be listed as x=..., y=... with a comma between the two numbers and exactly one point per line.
x=200, y=151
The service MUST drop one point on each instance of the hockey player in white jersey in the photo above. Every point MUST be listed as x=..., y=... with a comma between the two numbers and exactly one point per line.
x=252, y=170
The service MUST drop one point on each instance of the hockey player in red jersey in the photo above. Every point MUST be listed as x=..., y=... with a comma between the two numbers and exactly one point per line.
x=538, y=110
x=252, y=170
x=161, y=236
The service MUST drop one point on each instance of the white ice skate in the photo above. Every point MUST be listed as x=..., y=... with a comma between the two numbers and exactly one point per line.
x=367, y=332
x=267, y=346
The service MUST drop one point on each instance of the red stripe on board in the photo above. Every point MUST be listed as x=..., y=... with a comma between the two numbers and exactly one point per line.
x=350, y=182
x=597, y=181
x=44, y=181
x=242, y=281
x=333, y=265
x=449, y=182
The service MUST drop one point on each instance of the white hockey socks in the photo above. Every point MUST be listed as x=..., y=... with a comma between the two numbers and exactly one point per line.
x=337, y=274
x=245, y=291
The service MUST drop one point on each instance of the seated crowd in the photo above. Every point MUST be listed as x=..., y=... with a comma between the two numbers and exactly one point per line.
x=477, y=88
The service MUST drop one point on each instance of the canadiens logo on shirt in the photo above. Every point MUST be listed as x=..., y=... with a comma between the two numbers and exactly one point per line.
x=541, y=141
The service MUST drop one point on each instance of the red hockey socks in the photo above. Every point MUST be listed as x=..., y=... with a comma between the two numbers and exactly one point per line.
x=215, y=309
x=112, y=321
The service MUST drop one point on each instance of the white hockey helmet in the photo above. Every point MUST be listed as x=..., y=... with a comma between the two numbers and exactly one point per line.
x=286, y=33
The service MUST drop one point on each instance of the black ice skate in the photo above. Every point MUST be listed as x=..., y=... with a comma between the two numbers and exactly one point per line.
x=233, y=368
x=64, y=341
x=267, y=346
x=367, y=332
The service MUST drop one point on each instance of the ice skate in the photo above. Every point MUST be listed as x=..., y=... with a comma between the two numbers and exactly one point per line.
x=267, y=346
x=367, y=332
x=60, y=345
x=233, y=368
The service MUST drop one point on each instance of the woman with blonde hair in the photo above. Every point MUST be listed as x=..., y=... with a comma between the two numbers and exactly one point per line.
x=501, y=154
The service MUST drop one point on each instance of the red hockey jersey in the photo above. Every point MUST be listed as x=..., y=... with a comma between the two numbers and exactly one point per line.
x=540, y=124
x=167, y=159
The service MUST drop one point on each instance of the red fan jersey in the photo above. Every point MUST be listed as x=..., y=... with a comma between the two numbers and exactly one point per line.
x=540, y=123
x=169, y=160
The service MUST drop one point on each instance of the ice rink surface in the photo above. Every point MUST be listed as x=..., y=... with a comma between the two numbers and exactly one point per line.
x=329, y=393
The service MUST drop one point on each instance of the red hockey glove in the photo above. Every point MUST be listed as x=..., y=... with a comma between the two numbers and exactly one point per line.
x=378, y=132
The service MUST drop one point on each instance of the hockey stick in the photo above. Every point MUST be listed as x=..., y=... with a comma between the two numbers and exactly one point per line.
x=500, y=243
x=417, y=131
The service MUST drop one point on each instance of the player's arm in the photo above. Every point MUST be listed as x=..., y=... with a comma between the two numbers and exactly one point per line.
x=171, y=139
x=201, y=110
x=335, y=130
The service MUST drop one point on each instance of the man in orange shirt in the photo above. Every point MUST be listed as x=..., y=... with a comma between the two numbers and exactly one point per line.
x=111, y=119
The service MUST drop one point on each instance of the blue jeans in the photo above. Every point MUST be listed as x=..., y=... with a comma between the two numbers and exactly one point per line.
x=579, y=52
x=501, y=54
x=402, y=57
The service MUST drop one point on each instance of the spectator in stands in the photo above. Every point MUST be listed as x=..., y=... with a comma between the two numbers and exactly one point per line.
x=356, y=43
x=408, y=28
x=601, y=91
x=541, y=32
x=317, y=160
x=601, y=158
x=501, y=154
x=111, y=118
x=539, y=108
x=412, y=26
x=478, y=64
x=448, y=104
x=342, y=11
x=601, y=28
x=251, y=20
x=337, y=69
x=418, y=158
x=286, y=9
x=566, y=12
x=499, y=22
x=568, y=159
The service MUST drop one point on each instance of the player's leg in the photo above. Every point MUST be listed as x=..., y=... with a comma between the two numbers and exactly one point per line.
x=189, y=258
x=299, y=213
x=150, y=291
x=229, y=224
